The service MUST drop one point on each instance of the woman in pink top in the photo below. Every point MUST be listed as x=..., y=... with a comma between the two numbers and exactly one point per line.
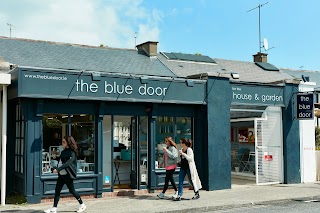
x=170, y=163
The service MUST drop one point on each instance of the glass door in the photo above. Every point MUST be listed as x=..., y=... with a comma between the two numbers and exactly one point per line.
x=143, y=151
x=134, y=177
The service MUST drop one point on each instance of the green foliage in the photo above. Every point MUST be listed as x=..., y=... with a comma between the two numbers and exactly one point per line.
x=16, y=198
x=317, y=139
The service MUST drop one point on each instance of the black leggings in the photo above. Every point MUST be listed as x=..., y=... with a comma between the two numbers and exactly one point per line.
x=65, y=179
x=169, y=176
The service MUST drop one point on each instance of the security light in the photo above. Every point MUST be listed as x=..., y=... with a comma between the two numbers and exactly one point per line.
x=144, y=80
x=95, y=76
x=235, y=75
x=189, y=83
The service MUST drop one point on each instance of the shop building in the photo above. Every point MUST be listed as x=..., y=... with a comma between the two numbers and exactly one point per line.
x=263, y=144
x=310, y=157
x=120, y=104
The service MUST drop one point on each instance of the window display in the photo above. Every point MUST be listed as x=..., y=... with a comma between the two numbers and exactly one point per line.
x=55, y=127
x=175, y=127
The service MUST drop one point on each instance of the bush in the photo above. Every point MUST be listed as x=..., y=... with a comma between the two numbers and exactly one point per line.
x=15, y=198
x=317, y=139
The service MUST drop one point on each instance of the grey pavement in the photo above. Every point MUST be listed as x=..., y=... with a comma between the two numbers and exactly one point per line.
x=240, y=196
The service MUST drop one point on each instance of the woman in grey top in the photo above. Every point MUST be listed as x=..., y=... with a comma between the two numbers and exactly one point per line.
x=170, y=163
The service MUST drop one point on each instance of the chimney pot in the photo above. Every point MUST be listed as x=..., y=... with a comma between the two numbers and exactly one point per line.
x=149, y=48
x=260, y=57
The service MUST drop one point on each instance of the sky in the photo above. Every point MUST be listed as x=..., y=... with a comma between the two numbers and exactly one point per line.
x=216, y=28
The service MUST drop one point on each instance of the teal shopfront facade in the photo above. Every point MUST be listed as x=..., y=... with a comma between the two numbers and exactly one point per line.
x=112, y=113
x=86, y=105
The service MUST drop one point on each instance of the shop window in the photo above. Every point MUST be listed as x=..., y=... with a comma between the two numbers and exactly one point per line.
x=19, y=142
x=175, y=127
x=82, y=129
x=55, y=127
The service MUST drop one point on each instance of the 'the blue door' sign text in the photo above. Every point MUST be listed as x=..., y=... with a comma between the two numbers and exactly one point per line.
x=305, y=106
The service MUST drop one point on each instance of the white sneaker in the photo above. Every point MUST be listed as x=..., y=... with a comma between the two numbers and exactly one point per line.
x=82, y=207
x=175, y=195
x=51, y=210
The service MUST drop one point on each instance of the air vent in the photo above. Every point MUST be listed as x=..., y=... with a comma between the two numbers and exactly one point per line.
x=267, y=66
x=188, y=57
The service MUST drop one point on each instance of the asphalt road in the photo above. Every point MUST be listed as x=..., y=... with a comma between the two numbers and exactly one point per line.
x=292, y=206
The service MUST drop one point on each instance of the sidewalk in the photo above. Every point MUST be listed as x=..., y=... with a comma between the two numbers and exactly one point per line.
x=237, y=196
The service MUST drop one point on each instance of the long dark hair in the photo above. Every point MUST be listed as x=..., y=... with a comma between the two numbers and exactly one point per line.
x=172, y=143
x=72, y=144
x=187, y=142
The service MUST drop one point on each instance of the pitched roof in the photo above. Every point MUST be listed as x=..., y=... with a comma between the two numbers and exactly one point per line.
x=248, y=71
x=186, y=68
x=314, y=76
x=43, y=54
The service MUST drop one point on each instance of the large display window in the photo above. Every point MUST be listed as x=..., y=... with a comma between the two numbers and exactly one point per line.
x=175, y=127
x=57, y=126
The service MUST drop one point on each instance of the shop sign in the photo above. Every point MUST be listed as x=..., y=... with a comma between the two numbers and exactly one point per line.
x=124, y=88
x=268, y=156
x=305, y=107
x=254, y=94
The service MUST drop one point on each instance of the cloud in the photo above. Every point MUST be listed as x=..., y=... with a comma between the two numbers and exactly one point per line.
x=93, y=22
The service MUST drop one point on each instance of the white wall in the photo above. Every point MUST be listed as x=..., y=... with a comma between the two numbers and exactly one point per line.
x=307, y=142
x=0, y=139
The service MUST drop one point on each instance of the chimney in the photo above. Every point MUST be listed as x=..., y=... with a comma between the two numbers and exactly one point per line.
x=260, y=57
x=149, y=48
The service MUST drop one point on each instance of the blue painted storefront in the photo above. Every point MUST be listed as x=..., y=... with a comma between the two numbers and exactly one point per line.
x=207, y=102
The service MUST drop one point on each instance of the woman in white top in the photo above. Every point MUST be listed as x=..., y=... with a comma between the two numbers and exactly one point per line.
x=188, y=167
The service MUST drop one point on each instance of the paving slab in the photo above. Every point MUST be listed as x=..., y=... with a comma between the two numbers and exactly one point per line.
x=241, y=195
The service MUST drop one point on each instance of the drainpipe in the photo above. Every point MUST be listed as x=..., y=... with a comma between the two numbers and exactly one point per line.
x=4, y=146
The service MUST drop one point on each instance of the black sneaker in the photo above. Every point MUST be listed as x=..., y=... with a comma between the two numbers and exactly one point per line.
x=196, y=196
x=178, y=198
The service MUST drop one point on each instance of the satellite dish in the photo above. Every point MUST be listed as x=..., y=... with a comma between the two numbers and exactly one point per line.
x=265, y=44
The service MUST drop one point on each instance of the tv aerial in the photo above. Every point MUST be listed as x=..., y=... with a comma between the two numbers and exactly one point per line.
x=10, y=26
x=259, y=7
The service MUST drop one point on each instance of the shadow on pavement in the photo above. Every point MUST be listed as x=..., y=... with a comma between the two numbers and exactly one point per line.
x=148, y=197
x=23, y=211
x=30, y=211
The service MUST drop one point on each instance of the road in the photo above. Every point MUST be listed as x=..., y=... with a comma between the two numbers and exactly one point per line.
x=292, y=206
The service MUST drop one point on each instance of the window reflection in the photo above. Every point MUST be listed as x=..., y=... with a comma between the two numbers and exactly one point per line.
x=55, y=127
x=82, y=129
x=175, y=127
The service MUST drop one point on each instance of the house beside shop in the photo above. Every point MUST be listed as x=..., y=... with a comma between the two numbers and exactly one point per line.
x=120, y=104
x=5, y=80
x=310, y=157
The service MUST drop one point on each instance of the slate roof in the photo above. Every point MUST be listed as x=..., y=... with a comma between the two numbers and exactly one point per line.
x=248, y=71
x=314, y=76
x=184, y=69
x=43, y=54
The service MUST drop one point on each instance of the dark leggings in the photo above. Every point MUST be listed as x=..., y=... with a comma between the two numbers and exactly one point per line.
x=65, y=179
x=169, y=177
